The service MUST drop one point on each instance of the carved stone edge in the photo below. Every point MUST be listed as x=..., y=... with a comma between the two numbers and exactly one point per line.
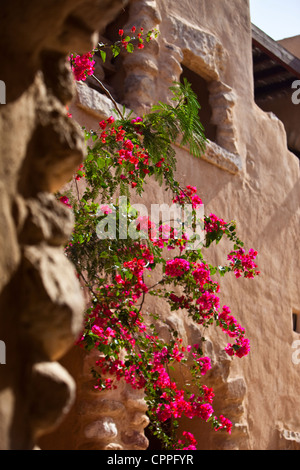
x=93, y=102
x=204, y=54
x=220, y=157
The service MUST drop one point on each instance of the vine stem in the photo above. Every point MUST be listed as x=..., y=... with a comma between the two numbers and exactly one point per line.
x=88, y=286
x=77, y=190
x=107, y=92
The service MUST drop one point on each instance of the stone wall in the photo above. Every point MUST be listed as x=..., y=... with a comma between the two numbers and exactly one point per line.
x=41, y=304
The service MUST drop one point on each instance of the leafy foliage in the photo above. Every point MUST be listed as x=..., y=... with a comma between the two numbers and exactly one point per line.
x=116, y=251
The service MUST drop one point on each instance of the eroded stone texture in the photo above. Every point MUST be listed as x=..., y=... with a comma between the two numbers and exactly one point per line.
x=110, y=420
x=142, y=69
x=51, y=391
x=41, y=304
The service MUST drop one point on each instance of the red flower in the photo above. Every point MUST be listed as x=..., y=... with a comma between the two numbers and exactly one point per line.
x=65, y=200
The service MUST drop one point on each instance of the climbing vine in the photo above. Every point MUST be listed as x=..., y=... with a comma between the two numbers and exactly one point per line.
x=124, y=258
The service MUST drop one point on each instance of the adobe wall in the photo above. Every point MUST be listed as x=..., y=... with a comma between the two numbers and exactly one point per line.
x=248, y=175
x=263, y=198
x=292, y=44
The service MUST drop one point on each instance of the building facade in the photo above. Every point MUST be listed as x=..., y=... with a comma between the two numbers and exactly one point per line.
x=249, y=173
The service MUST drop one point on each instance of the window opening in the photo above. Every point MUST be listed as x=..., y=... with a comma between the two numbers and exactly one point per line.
x=200, y=87
x=296, y=322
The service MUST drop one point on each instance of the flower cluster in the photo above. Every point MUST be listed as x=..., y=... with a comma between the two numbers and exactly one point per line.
x=243, y=263
x=82, y=66
x=65, y=200
x=118, y=273
x=188, y=195
x=225, y=423
x=68, y=112
x=129, y=155
x=214, y=223
x=137, y=122
x=201, y=274
x=80, y=172
x=233, y=329
x=126, y=41
x=240, y=348
x=188, y=442
x=176, y=267
x=118, y=321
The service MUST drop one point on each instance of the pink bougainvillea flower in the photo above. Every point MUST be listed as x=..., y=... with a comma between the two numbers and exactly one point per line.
x=65, y=200
x=177, y=267
x=82, y=66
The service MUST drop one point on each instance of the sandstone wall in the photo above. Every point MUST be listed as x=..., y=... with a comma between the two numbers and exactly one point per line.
x=263, y=197
x=41, y=304
x=248, y=175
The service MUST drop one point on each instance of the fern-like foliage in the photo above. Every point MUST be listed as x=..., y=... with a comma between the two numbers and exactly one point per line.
x=179, y=122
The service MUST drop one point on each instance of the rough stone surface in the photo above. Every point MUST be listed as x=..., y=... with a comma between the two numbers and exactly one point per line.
x=51, y=394
x=110, y=420
x=41, y=304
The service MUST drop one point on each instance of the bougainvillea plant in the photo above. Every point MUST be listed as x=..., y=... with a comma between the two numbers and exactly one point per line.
x=118, y=269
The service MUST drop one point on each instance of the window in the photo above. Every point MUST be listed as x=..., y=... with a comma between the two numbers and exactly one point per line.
x=200, y=87
x=217, y=102
x=296, y=322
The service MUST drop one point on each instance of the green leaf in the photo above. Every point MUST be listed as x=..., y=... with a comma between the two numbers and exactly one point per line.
x=103, y=55
x=130, y=47
x=101, y=162
x=115, y=50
